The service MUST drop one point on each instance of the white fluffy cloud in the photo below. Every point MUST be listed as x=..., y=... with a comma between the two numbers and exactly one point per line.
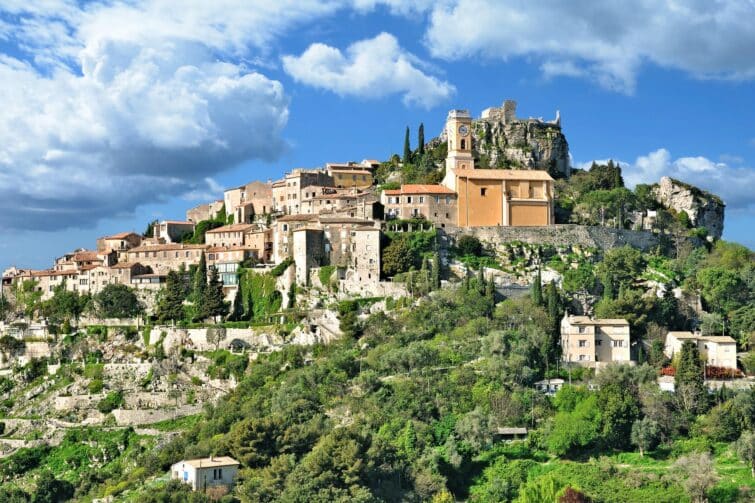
x=113, y=105
x=603, y=41
x=734, y=184
x=370, y=68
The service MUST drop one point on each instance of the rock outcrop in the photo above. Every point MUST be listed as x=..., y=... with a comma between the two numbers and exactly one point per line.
x=501, y=140
x=703, y=208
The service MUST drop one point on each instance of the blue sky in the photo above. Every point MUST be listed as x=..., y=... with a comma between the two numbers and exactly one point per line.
x=113, y=114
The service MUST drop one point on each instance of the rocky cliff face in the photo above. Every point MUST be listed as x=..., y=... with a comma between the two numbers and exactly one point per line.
x=501, y=140
x=521, y=143
x=703, y=208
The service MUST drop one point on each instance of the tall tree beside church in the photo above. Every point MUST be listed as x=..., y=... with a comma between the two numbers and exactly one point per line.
x=200, y=279
x=537, y=289
x=407, y=147
x=421, y=139
x=213, y=300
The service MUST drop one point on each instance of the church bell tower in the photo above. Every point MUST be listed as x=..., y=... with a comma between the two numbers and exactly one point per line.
x=459, y=136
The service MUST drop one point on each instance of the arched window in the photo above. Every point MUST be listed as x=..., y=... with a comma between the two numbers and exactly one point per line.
x=463, y=144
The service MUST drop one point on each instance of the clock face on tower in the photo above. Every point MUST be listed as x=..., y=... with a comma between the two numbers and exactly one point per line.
x=463, y=130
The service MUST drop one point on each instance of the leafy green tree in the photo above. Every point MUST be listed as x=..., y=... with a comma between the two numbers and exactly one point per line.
x=6, y=307
x=398, y=256
x=746, y=450
x=575, y=429
x=722, y=289
x=112, y=401
x=237, y=309
x=117, y=301
x=696, y=473
x=170, y=303
x=28, y=296
x=538, y=490
x=254, y=441
x=619, y=407
x=624, y=265
x=149, y=232
x=645, y=434
x=213, y=299
x=51, y=490
x=469, y=245
x=407, y=148
x=689, y=381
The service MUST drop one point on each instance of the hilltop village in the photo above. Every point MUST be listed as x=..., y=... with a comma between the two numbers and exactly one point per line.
x=468, y=321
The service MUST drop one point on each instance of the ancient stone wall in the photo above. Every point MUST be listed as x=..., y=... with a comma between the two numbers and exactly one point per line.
x=562, y=235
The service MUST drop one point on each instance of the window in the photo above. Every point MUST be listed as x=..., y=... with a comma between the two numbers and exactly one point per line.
x=448, y=200
x=409, y=199
x=618, y=344
x=437, y=199
x=598, y=342
x=217, y=474
x=581, y=330
x=421, y=199
x=582, y=343
x=463, y=144
x=483, y=191
x=584, y=357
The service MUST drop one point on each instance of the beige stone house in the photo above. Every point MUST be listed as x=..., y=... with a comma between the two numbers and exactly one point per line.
x=119, y=242
x=171, y=231
x=262, y=241
x=346, y=243
x=166, y=257
x=283, y=229
x=718, y=350
x=203, y=474
x=594, y=342
x=346, y=178
x=436, y=203
x=289, y=192
x=233, y=235
x=246, y=202
x=207, y=211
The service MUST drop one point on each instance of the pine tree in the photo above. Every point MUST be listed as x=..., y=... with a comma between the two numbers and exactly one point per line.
x=609, y=291
x=537, y=289
x=170, y=305
x=407, y=148
x=200, y=279
x=213, y=302
x=421, y=139
x=435, y=272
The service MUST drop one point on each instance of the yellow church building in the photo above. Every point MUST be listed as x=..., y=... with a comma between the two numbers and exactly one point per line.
x=493, y=197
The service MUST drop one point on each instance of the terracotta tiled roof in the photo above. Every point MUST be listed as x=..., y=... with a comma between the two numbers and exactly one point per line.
x=37, y=274
x=124, y=265
x=709, y=338
x=344, y=220
x=120, y=235
x=85, y=256
x=297, y=218
x=420, y=189
x=350, y=171
x=217, y=249
x=504, y=174
x=168, y=247
x=231, y=228
x=177, y=222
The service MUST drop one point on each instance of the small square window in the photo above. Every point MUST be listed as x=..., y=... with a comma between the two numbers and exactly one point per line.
x=483, y=191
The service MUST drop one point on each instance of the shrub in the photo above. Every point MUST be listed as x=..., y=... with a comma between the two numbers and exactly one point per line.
x=95, y=386
x=112, y=401
x=469, y=245
x=279, y=269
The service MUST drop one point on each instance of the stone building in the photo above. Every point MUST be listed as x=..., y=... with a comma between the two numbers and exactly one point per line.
x=594, y=342
x=288, y=192
x=346, y=243
x=233, y=235
x=436, y=203
x=248, y=201
x=346, y=178
x=261, y=240
x=119, y=242
x=718, y=350
x=207, y=211
x=171, y=231
x=203, y=474
x=166, y=257
x=493, y=197
x=283, y=229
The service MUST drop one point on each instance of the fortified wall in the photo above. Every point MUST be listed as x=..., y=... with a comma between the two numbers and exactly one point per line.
x=603, y=238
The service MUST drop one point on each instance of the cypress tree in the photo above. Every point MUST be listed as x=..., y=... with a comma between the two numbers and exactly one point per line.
x=537, y=289
x=553, y=305
x=200, y=279
x=407, y=147
x=689, y=380
x=435, y=272
x=421, y=139
x=237, y=311
x=608, y=288
x=213, y=303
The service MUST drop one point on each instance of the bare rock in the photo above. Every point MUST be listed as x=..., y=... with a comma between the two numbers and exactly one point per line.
x=703, y=208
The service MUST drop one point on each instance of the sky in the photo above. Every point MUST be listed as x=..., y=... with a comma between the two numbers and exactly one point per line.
x=115, y=113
